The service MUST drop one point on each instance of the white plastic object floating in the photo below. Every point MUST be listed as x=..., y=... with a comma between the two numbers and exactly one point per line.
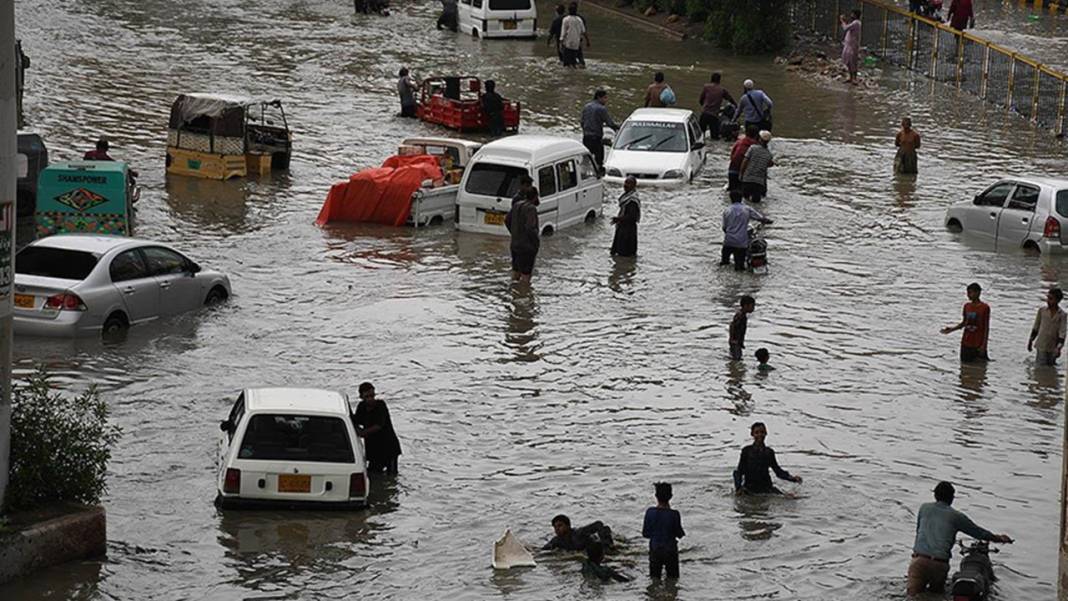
x=509, y=553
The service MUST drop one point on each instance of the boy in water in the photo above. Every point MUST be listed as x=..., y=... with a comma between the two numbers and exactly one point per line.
x=762, y=355
x=739, y=325
x=976, y=325
x=663, y=528
x=592, y=565
x=752, y=473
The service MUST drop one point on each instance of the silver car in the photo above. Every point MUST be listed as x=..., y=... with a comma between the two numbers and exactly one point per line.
x=76, y=284
x=1019, y=212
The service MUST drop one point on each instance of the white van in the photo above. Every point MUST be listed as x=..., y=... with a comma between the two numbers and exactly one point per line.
x=499, y=18
x=563, y=172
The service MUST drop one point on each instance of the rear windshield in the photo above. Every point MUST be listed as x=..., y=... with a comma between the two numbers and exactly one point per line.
x=1062, y=203
x=509, y=4
x=488, y=179
x=296, y=438
x=54, y=262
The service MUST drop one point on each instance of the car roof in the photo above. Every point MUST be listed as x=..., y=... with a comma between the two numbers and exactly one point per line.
x=530, y=147
x=1051, y=182
x=94, y=243
x=442, y=141
x=315, y=400
x=661, y=114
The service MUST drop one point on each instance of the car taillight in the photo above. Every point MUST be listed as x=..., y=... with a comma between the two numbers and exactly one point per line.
x=357, y=485
x=1052, y=229
x=68, y=301
x=232, y=485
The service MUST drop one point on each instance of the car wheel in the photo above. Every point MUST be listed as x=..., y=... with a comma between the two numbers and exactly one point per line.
x=954, y=226
x=216, y=296
x=116, y=324
x=1032, y=246
x=474, y=32
x=547, y=231
x=591, y=217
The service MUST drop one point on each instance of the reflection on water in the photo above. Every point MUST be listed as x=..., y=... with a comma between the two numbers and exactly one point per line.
x=210, y=204
x=522, y=334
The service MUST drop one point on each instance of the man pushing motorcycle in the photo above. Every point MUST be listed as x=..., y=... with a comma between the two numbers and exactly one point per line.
x=937, y=525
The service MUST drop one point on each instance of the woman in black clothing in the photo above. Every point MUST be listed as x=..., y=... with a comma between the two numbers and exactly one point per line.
x=625, y=243
x=752, y=473
x=375, y=427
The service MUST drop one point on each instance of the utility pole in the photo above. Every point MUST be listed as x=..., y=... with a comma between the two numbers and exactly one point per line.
x=8, y=178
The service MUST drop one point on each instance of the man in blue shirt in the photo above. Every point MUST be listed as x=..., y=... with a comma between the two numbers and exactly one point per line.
x=937, y=525
x=755, y=105
x=736, y=230
x=594, y=117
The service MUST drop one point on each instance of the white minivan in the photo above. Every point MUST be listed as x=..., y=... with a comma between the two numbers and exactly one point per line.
x=499, y=18
x=563, y=172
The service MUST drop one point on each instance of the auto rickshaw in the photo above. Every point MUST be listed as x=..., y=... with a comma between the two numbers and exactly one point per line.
x=219, y=137
x=87, y=197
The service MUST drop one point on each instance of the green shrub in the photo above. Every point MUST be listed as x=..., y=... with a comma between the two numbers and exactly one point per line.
x=748, y=26
x=696, y=10
x=645, y=4
x=60, y=445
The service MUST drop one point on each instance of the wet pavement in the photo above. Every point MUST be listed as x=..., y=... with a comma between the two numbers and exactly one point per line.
x=575, y=396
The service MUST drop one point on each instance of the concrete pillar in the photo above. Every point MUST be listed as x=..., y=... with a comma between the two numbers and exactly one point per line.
x=8, y=178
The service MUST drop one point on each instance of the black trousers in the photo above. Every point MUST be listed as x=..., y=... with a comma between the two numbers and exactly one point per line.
x=595, y=144
x=711, y=124
x=379, y=465
x=739, y=257
x=408, y=110
x=661, y=560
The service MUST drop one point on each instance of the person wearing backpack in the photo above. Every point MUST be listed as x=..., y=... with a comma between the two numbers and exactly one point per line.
x=755, y=106
x=658, y=92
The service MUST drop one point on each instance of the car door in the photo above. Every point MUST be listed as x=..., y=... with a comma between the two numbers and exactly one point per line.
x=179, y=290
x=981, y=217
x=1018, y=216
x=567, y=181
x=591, y=190
x=226, y=439
x=133, y=280
x=549, y=197
x=697, y=146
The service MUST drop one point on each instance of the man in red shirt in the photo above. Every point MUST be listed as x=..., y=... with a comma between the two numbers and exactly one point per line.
x=961, y=15
x=976, y=324
x=101, y=152
x=734, y=177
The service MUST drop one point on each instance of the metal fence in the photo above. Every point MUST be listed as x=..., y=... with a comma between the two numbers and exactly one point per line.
x=998, y=75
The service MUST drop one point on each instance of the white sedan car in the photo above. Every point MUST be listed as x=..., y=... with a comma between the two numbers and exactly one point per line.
x=290, y=447
x=72, y=284
x=658, y=146
x=1021, y=212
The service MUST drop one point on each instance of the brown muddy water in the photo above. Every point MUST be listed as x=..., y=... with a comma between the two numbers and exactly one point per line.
x=576, y=395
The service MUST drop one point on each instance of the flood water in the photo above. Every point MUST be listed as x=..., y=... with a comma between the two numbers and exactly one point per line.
x=574, y=396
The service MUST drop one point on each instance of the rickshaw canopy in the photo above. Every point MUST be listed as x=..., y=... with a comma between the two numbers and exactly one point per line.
x=219, y=114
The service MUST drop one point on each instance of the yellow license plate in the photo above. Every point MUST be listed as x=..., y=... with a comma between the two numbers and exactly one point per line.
x=294, y=483
x=24, y=301
x=493, y=218
x=510, y=24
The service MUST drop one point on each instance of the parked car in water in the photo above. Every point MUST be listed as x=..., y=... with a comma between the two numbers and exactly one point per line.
x=292, y=447
x=562, y=170
x=658, y=146
x=498, y=18
x=75, y=284
x=1021, y=212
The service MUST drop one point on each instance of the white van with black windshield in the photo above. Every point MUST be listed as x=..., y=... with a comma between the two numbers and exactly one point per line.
x=499, y=18
x=563, y=172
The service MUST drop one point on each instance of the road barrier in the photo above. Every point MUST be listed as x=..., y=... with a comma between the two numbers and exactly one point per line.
x=975, y=65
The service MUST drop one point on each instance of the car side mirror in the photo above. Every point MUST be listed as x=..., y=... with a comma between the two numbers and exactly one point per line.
x=225, y=425
x=698, y=146
x=978, y=197
x=194, y=269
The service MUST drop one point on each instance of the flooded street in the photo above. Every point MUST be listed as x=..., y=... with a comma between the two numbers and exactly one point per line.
x=575, y=396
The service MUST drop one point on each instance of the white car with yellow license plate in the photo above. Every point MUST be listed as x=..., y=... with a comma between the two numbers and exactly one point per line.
x=290, y=447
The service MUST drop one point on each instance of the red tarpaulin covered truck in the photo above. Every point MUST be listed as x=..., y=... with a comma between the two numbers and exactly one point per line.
x=456, y=103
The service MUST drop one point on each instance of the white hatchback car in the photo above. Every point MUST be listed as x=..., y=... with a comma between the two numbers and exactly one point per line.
x=658, y=146
x=290, y=447
x=1022, y=212
x=71, y=284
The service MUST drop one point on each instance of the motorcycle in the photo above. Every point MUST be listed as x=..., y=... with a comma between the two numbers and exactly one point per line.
x=972, y=582
x=756, y=256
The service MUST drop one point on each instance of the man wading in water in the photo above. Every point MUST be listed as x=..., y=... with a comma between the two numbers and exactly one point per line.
x=522, y=223
x=907, y=142
x=976, y=325
x=375, y=427
x=752, y=473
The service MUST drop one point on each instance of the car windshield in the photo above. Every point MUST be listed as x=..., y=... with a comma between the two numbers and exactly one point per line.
x=54, y=263
x=509, y=4
x=652, y=136
x=488, y=179
x=1062, y=203
x=296, y=438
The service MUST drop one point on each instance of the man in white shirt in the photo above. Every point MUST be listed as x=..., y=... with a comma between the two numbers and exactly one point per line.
x=572, y=32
